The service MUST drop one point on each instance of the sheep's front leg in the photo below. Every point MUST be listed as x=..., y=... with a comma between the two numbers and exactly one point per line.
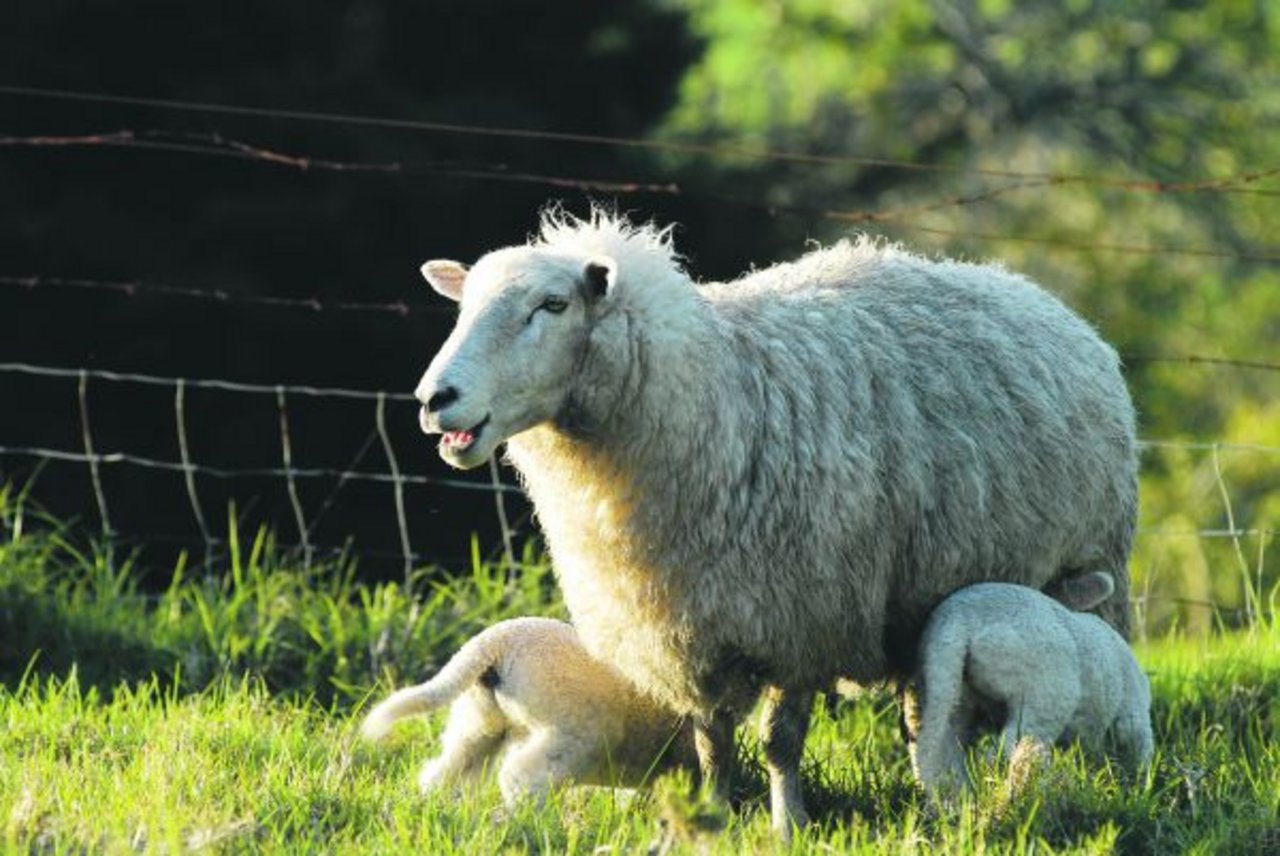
x=717, y=755
x=783, y=726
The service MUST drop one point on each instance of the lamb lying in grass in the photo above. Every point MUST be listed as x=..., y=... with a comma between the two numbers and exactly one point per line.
x=527, y=690
x=1058, y=675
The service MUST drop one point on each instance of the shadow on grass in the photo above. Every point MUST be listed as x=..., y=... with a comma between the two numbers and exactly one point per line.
x=44, y=637
x=311, y=632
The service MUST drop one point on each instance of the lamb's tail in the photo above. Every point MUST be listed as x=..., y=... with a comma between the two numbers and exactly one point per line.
x=480, y=655
x=938, y=758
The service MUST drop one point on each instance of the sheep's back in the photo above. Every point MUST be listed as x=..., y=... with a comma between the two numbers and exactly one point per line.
x=910, y=428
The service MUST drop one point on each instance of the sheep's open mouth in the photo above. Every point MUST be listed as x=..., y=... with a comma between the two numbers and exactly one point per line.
x=460, y=441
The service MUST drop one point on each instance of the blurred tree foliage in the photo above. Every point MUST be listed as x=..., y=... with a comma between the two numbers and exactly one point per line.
x=1169, y=92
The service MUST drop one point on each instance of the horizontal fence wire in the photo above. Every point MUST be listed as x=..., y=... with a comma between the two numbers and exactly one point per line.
x=145, y=288
x=409, y=478
x=901, y=217
x=96, y=458
x=207, y=383
x=216, y=144
x=140, y=288
x=374, y=395
x=670, y=146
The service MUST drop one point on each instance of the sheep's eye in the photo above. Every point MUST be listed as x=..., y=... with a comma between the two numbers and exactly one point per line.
x=554, y=305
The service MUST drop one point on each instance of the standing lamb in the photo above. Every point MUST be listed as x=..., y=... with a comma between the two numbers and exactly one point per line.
x=769, y=483
x=1055, y=674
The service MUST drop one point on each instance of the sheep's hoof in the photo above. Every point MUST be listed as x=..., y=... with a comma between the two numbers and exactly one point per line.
x=786, y=825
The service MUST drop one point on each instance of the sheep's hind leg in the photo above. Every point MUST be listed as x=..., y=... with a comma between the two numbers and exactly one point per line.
x=717, y=755
x=911, y=717
x=783, y=726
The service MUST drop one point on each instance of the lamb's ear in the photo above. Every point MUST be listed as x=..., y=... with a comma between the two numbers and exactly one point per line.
x=1082, y=592
x=598, y=276
x=446, y=277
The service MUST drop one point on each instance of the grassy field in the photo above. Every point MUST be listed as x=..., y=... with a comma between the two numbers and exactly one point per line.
x=218, y=714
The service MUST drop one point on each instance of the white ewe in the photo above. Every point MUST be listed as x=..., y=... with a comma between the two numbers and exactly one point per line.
x=771, y=482
x=1056, y=675
x=527, y=691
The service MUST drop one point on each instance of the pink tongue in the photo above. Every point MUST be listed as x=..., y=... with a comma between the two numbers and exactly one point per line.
x=459, y=438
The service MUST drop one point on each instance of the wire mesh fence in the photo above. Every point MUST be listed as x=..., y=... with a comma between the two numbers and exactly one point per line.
x=295, y=472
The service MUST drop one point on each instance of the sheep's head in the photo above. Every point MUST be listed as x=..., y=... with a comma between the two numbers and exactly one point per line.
x=524, y=323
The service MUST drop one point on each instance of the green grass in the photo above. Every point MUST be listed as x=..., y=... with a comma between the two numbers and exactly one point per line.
x=218, y=715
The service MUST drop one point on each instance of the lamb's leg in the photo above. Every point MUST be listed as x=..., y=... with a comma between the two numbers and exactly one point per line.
x=1136, y=743
x=537, y=764
x=471, y=737
x=1031, y=729
x=783, y=726
x=717, y=755
x=462, y=759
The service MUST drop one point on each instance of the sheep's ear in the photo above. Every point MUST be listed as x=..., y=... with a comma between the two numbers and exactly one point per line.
x=446, y=277
x=598, y=276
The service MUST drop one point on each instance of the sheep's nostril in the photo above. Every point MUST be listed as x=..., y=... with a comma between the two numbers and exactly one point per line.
x=442, y=399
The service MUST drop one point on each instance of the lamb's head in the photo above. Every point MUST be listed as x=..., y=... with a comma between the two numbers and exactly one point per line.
x=524, y=324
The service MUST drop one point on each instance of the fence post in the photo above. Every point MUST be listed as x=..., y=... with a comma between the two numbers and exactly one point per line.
x=498, y=490
x=379, y=418
x=287, y=456
x=179, y=411
x=92, y=458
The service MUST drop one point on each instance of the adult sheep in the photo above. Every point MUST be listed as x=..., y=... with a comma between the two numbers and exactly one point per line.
x=768, y=483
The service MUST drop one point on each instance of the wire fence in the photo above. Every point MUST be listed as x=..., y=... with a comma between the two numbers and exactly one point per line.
x=902, y=217
x=719, y=151
x=290, y=472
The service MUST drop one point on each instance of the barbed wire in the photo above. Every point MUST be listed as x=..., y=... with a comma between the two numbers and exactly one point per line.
x=215, y=144
x=138, y=288
x=1197, y=359
x=670, y=146
x=1084, y=246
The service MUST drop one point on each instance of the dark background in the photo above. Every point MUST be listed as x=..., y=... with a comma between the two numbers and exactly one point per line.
x=127, y=214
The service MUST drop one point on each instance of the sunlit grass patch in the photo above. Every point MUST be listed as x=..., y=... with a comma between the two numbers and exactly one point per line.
x=218, y=715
